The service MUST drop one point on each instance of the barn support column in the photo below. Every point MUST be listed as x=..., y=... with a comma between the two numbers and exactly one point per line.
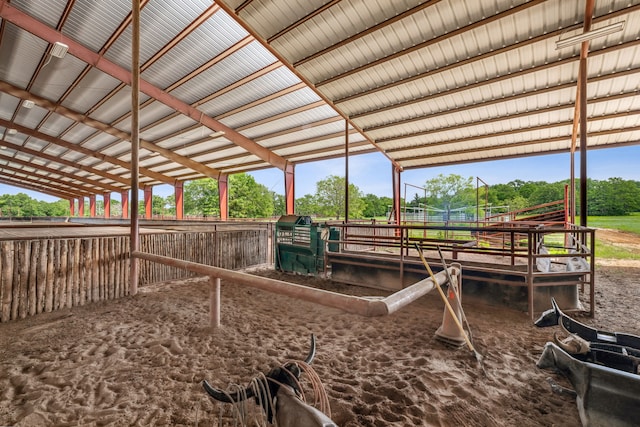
x=72, y=207
x=148, y=202
x=583, y=142
x=346, y=171
x=289, y=188
x=395, y=210
x=92, y=206
x=178, y=189
x=223, y=193
x=134, y=239
x=107, y=204
x=80, y=206
x=124, y=202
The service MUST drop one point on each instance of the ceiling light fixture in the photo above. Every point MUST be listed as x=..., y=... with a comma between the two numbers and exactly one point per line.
x=27, y=103
x=590, y=35
x=59, y=50
x=12, y=131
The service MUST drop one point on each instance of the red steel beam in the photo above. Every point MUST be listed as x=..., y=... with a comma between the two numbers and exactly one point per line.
x=37, y=28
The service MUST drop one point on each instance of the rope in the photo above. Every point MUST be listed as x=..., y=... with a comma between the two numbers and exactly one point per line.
x=321, y=400
x=240, y=411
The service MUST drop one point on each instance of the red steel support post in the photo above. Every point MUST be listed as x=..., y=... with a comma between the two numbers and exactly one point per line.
x=179, y=193
x=92, y=206
x=107, y=204
x=223, y=193
x=148, y=202
x=124, y=202
x=289, y=188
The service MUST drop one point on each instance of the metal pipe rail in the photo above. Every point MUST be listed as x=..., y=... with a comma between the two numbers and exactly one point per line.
x=363, y=306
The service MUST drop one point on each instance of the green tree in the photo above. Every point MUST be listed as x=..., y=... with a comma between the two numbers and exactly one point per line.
x=279, y=207
x=57, y=208
x=613, y=197
x=546, y=193
x=451, y=191
x=307, y=205
x=201, y=197
x=375, y=206
x=248, y=199
x=330, y=197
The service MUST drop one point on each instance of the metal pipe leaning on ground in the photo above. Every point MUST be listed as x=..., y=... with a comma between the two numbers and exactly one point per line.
x=448, y=305
x=363, y=306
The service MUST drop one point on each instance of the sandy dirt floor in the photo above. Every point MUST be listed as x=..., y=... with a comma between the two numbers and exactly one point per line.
x=140, y=360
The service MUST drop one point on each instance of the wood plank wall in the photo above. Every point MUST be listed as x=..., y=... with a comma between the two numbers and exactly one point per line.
x=45, y=275
x=227, y=249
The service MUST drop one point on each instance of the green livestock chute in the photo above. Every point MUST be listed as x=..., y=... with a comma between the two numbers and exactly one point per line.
x=300, y=244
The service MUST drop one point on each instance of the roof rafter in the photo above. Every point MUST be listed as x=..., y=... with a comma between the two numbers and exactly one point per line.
x=22, y=20
x=121, y=28
x=519, y=156
x=74, y=115
x=366, y=32
x=101, y=188
x=499, y=134
x=302, y=20
x=521, y=143
x=49, y=189
x=291, y=68
x=126, y=22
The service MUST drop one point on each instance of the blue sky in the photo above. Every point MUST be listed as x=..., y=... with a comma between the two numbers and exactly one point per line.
x=371, y=173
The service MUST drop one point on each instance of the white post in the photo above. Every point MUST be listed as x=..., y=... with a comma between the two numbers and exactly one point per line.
x=214, y=302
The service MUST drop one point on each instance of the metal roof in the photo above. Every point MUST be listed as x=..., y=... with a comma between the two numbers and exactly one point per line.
x=241, y=85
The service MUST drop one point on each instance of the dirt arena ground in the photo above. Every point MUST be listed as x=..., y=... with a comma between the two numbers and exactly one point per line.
x=140, y=360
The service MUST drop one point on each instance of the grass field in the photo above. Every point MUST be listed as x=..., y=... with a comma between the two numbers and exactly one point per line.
x=629, y=224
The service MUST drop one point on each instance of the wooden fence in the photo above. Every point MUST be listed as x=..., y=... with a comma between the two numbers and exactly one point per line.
x=44, y=275
x=226, y=249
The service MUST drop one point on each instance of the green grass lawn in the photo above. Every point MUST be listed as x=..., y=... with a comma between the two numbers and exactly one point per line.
x=629, y=223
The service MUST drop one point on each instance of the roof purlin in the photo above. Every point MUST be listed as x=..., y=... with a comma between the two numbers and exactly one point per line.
x=567, y=85
x=22, y=20
x=73, y=115
x=519, y=144
x=434, y=40
x=52, y=190
x=501, y=118
x=277, y=54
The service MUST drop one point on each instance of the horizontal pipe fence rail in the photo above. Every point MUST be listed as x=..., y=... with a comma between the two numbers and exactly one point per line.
x=363, y=306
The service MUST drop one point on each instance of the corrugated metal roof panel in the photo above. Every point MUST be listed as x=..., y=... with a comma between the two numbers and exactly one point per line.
x=299, y=119
x=271, y=108
x=209, y=40
x=225, y=73
x=48, y=13
x=93, y=22
x=256, y=89
x=15, y=68
x=95, y=85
